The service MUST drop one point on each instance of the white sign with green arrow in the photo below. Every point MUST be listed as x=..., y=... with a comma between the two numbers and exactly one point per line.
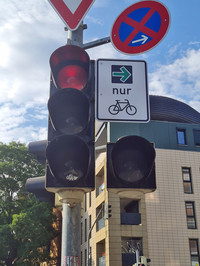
x=122, y=90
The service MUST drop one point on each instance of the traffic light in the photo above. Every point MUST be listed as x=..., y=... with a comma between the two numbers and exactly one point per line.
x=36, y=185
x=38, y=149
x=130, y=164
x=70, y=150
x=107, y=211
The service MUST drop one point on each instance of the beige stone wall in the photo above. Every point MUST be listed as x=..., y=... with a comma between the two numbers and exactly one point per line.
x=168, y=235
x=110, y=236
x=163, y=227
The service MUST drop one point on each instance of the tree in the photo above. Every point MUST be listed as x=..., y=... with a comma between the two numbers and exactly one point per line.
x=26, y=225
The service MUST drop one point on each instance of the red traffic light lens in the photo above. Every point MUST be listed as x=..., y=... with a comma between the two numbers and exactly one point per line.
x=70, y=67
x=72, y=76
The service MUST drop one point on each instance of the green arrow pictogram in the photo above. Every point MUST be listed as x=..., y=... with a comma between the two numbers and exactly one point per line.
x=124, y=74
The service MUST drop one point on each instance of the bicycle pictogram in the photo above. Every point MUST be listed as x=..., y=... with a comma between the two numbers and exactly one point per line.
x=114, y=109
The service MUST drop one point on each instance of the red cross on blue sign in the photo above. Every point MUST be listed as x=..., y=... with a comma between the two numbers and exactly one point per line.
x=140, y=27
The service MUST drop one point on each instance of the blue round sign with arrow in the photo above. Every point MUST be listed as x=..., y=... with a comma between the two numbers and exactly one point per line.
x=140, y=27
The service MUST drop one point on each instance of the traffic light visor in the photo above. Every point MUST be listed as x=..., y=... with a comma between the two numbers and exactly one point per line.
x=69, y=111
x=68, y=158
x=132, y=158
x=70, y=67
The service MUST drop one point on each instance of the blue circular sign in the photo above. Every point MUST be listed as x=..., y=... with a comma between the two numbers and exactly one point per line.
x=140, y=27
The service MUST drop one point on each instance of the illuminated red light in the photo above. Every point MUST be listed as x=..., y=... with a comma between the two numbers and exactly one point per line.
x=70, y=67
x=72, y=77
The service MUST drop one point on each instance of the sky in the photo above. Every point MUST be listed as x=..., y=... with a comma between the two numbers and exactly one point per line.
x=30, y=30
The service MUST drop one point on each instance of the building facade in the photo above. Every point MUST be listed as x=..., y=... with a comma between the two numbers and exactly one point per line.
x=163, y=225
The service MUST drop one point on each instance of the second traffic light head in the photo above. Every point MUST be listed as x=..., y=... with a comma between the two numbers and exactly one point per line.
x=130, y=164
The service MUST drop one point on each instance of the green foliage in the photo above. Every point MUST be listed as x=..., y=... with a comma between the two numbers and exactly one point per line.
x=36, y=218
x=25, y=224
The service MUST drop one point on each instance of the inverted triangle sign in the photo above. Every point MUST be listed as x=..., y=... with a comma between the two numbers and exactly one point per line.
x=71, y=12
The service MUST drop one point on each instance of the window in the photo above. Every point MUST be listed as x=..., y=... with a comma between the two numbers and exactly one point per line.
x=85, y=202
x=190, y=214
x=90, y=224
x=100, y=223
x=85, y=256
x=130, y=244
x=187, y=181
x=90, y=199
x=194, y=251
x=196, y=133
x=181, y=136
x=81, y=258
x=81, y=233
x=85, y=230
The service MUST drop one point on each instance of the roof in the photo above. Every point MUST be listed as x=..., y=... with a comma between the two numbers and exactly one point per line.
x=167, y=109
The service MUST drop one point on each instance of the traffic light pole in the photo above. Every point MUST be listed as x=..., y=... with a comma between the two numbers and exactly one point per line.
x=71, y=214
x=84, y=141
x=70, y=249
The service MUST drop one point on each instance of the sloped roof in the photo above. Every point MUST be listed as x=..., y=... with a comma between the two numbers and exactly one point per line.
x=171, y=110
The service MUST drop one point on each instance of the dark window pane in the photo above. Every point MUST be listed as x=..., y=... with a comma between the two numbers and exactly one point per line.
x=196, y=137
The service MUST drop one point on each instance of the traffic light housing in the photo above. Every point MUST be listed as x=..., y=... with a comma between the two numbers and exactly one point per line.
x=107, y=211
x=70, y=150
x=36, y=185
x=38, y=149
x=131, y=164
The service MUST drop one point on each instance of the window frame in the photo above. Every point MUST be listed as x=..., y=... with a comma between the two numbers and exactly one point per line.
x=192, y=216
x=197, y=249
x=187, y=181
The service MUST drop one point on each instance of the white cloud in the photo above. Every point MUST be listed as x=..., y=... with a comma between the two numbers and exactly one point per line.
x=106, y=51
x=95, y=20
x=30, y=31
x=17, y=124
x=24, y=134
x=180, y=79
x=27, y=35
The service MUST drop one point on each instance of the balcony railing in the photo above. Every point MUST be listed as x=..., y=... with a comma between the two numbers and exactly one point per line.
x=130, y=218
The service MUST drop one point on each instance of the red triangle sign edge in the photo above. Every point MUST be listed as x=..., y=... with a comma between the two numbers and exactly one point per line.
x=71, y=20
